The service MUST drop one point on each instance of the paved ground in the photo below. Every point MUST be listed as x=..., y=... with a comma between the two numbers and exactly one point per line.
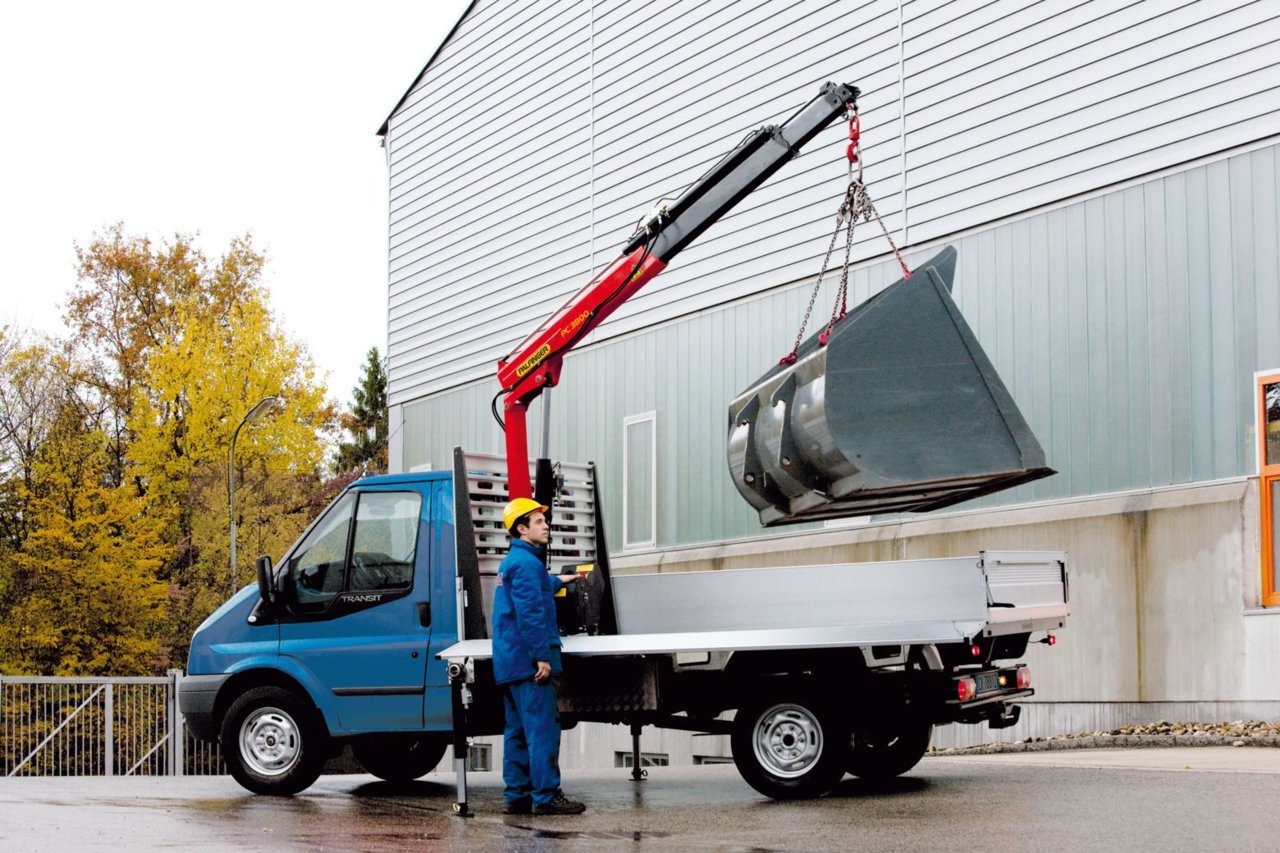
x=1152, y=799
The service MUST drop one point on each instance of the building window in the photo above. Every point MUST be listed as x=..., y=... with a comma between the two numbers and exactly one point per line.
x=647, y=759
x=1268, y=397
x=712, y=759
x=639, y=482
x=480, y=756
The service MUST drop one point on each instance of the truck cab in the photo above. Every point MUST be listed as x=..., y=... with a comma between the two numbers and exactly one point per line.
x=338, y=642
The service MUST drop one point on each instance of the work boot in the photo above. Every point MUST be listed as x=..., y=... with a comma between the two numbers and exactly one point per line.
x=559, y=804
x=521, y=805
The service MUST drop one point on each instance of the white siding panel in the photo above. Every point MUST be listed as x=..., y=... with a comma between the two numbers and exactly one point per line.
x=543, y=131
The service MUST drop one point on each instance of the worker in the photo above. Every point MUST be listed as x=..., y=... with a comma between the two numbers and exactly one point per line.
x=526, y=659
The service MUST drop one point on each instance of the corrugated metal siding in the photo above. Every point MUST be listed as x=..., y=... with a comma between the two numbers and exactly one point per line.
x=544, y=130
x=1011, y=105
x=1127, y=327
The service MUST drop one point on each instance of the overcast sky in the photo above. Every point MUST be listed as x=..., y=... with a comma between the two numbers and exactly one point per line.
x=218, y=118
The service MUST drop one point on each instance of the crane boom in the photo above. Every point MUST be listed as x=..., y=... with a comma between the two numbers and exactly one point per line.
x=535, y=364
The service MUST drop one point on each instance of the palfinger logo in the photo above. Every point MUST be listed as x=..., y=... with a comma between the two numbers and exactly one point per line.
x=532, y=361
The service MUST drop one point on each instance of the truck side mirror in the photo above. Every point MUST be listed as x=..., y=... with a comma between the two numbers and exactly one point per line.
x=266, y=589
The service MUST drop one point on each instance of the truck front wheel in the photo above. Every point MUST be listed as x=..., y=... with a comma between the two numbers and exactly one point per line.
x=789, y=747
x=273, y=742
x=888, y=749
x=399, y=759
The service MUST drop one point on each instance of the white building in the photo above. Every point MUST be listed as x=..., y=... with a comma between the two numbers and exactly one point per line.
x=1108, y=173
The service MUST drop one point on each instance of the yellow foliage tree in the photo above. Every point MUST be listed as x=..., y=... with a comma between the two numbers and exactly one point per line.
x=225, y=354
x=83, y=595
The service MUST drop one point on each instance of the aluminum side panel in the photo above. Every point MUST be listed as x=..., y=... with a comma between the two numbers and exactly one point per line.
x=846, y=595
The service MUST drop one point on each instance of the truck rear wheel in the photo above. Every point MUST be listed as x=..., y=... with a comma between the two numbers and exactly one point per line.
x=273, y=742
x=789, y=747
x=399, y=759
x=888, y=748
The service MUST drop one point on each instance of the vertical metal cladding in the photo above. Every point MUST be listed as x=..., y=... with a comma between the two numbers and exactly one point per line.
x=901, y=410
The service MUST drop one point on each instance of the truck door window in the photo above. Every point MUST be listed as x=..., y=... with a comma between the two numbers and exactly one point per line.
x=386, y=540
x=315, y=569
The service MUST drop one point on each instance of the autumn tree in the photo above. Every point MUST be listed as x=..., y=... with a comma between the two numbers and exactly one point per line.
x=182, y=347
x=367, y=421
x=82, y=595
x=115, y=455
x=124, y=305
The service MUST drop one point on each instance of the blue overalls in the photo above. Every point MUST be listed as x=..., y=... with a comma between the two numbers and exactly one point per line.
x=525, y=632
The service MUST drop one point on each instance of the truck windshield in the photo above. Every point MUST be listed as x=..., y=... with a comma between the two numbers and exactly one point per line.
x=315, y=569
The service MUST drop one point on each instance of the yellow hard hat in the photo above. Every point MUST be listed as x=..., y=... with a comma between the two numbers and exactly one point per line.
x=517, y=508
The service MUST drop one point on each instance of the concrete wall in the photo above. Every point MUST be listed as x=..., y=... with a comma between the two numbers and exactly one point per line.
x=1164, y=625
x=1164, y=585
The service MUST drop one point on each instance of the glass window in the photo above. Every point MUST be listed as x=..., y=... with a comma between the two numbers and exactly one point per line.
x=647, y=759
x=314, y=571
x=1275, y=526
x=1268, y=390
x=386, y=541
x=639, y=510
x=1271, y=421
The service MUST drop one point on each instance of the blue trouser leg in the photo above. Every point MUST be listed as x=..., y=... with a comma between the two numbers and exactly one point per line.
x=515, y=751
x=538, y=762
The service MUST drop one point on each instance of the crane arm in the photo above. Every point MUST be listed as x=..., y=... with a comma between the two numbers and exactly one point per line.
x=535, y=364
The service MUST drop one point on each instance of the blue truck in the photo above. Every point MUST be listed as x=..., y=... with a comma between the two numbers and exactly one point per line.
x=373, y=631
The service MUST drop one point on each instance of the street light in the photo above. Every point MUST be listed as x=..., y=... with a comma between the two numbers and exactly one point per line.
x=261, y=408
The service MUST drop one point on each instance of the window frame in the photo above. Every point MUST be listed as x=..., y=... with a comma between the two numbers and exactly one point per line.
x=1267, y=476
x=346, y=601
x=627, y=422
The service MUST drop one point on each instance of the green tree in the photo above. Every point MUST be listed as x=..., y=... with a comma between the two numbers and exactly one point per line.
x=82, y=596
x=367, y=421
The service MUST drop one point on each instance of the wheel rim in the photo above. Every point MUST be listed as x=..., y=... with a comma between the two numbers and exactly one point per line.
x=270, y=742
x=788, y=740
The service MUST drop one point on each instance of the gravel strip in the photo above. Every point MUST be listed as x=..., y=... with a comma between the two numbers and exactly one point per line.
x=1239, y=733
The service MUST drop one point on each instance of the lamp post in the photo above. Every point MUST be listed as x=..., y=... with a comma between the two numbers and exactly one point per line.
x=260, y=408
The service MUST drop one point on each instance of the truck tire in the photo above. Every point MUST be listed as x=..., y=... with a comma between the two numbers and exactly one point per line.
x=399, y=759
x=789, y=746
x=273, y=741
x=888, y=749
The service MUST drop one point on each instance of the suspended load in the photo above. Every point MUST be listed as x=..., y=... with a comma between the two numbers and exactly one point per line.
x=900, y=410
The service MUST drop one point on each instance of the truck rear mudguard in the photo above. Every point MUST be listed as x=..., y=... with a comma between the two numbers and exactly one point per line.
x=900, y=410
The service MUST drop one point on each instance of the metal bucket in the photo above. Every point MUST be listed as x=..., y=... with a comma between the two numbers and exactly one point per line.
x=900, y=411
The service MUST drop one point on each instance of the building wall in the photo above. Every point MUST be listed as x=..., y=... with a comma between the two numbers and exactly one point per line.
x=1127, y=326
x=1108, y=172
x=524, y=155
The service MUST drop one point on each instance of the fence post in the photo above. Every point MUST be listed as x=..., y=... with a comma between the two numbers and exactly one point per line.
x=175, y=728
x=110, y=731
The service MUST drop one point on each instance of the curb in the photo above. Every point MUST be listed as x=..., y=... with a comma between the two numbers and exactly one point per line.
x=1108, y=742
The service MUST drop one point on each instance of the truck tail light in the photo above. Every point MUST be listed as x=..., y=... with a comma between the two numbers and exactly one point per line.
x=975, y=650
x=966, y=689
x=1024, y=678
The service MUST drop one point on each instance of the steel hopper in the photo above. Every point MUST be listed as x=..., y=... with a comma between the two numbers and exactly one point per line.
x=900, y=411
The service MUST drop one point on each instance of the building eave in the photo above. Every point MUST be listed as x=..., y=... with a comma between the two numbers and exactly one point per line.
x=382, y=131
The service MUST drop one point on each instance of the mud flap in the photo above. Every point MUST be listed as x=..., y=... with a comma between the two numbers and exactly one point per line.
x=900, y=411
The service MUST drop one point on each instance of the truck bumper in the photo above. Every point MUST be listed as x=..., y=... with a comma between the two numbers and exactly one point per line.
x=196, y=697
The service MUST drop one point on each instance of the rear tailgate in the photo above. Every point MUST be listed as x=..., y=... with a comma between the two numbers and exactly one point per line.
x=1026, y=591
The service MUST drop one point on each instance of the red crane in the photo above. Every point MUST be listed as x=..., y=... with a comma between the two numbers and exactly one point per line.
x=535, y=364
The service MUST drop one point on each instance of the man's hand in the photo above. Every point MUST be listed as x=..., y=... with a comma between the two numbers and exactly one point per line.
x=543, y=674
x=568, y=578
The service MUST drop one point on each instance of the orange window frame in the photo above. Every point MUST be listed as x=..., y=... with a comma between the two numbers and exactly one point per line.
x=1268, y=483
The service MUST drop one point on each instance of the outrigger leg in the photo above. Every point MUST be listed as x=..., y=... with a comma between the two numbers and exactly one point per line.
x=461, y=701
x=636, y=772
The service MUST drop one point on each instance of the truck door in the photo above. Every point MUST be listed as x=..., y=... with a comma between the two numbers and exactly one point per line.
x=354, y=586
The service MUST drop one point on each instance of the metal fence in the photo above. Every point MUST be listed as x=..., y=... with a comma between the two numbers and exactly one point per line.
x=98, y=727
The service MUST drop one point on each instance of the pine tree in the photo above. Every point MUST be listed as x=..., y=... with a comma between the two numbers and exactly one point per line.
x=367, y=421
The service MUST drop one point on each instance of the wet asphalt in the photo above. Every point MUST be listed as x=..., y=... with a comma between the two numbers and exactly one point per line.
x=1174, y=799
